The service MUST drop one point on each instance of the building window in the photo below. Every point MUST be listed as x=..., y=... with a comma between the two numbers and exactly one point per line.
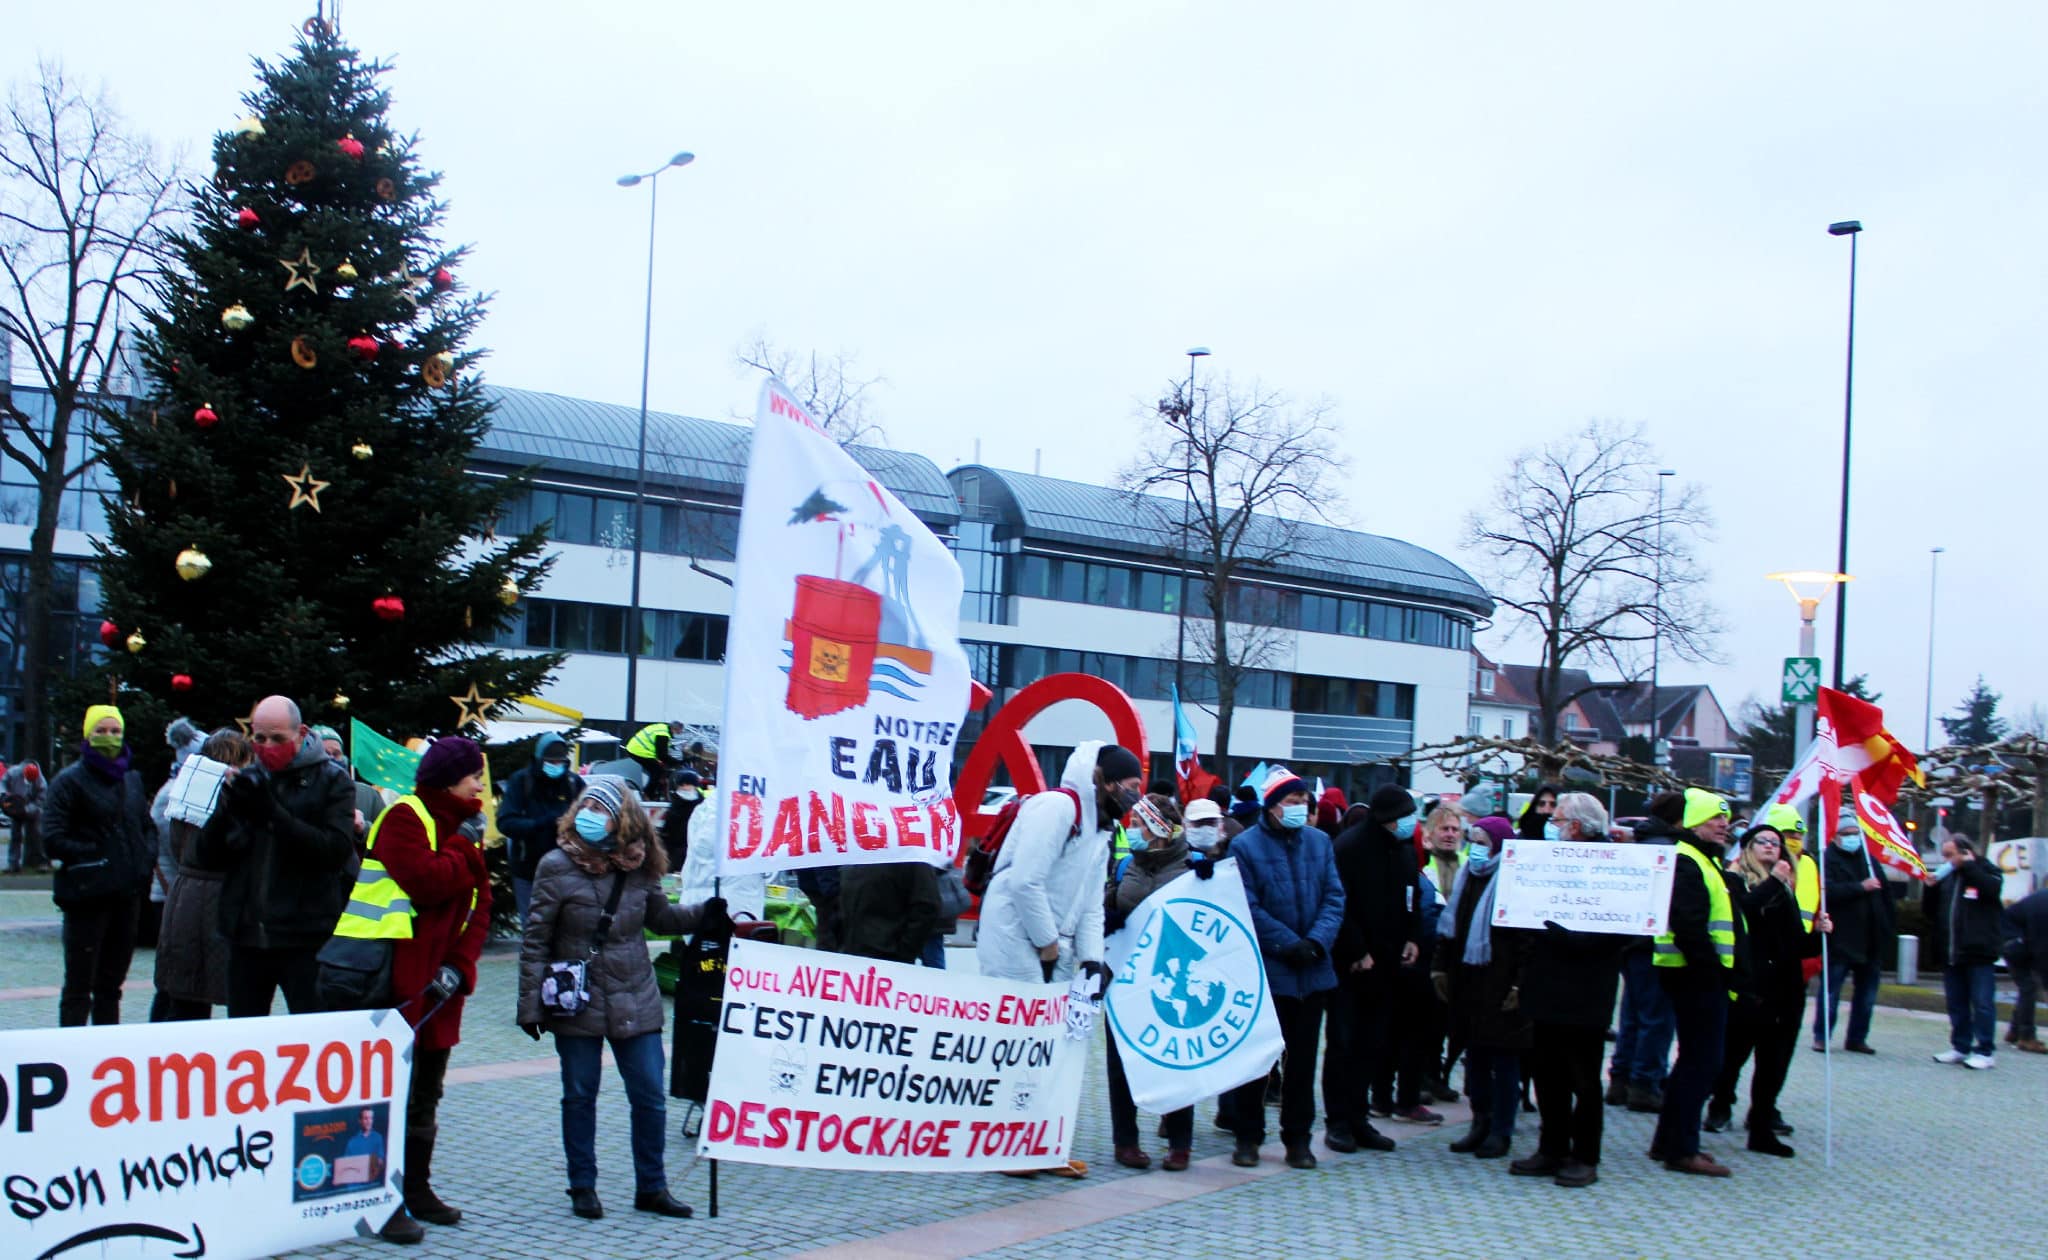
x=1507, y=728
x=983, y=566
x=600, y=629
x=1485, y=682
x=1473, y=723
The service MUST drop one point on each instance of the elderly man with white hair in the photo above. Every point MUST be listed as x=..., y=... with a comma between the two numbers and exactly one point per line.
x=1568, y=989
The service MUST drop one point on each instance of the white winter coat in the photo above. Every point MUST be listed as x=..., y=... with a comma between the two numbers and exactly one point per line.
x=1047, y=887
x=746, y=896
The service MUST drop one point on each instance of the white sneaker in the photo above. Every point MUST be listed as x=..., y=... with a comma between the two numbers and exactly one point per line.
x=1951, y=1056
x=1980, y=1062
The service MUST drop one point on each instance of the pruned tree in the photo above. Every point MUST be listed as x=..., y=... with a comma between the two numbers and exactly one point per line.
x=85, y=205
x=1576, y=551
x=827, y=386
x=1228, y=477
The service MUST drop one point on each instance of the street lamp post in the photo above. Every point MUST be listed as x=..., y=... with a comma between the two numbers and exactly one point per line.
x=1850, y=228
x=1659, y=752
x=1180, y=640
x=1933, y=584
x=633, y=626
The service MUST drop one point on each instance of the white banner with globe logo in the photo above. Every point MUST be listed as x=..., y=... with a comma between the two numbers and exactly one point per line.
x=1189, y=1005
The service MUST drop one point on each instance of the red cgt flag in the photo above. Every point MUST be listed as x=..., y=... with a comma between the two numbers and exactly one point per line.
x=1862, y=755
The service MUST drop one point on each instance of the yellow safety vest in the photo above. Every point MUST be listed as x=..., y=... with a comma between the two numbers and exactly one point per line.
x=378, y=909
x=642, y=743
x=1429, y=869
x=1806, y=887
x=1720, y=917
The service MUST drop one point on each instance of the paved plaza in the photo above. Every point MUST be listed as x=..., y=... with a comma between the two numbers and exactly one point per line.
x=1928, y=1160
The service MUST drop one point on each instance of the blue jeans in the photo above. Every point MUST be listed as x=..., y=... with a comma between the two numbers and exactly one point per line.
x=1494, y=1080
x=522, y=896
x=934, y=955
x=640, y=1066
x=1972, y=992
x=1642, y=1045
x=1861, y=1006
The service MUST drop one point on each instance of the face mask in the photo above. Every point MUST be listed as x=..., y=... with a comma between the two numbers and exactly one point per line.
x=1941, y=872
x=689, y=794
x=554, y=769
x=1481, y=861
x=594, y=828
x=1550, y=832
x=1294, y=817
x=1404, y=827
x=1137, y=841
x=1202, y=836
x=1124, y=798
x=105, y=744
x=1850, y=843
x=275, y=757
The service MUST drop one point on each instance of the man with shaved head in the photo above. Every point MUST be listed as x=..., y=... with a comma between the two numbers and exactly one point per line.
x=285, y=835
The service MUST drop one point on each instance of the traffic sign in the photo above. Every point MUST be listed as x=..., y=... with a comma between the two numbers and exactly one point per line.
x=1802, y=680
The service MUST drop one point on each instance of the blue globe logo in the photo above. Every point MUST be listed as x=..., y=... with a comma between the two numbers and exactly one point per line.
x=1183, y=994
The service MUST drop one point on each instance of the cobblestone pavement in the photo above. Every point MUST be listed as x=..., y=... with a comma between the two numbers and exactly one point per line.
x=1917, y=1145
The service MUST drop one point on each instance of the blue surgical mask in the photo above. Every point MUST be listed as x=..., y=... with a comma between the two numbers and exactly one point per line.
x=1941, y=872
x=1137, y=840
x=554, y=769
x=1404, y=827
x=594, y=828
x=1481, y=860
x=688, y=794
x=1294, y=817
x=1550, y=831
x=1850, y=843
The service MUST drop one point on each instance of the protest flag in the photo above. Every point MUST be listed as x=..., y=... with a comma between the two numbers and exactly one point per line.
x=381, y=762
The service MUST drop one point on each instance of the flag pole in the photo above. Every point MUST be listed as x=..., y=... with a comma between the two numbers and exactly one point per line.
x=1827, y=988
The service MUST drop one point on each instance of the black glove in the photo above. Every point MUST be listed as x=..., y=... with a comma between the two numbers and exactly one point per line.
x=531, y=1030
x=1100, y=974
x=1113, y=919
x=248, y=792
x=447, y=982
x=1302, y=953
x=715, y=921
x=1202, y=865
x=1555, y=929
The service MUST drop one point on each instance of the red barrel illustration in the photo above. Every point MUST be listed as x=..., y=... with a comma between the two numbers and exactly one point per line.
x=833, y=632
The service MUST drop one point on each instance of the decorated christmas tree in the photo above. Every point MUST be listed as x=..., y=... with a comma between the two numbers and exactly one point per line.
x=294, y=516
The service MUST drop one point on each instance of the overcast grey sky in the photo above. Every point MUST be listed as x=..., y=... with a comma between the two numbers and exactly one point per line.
x=1471, y=227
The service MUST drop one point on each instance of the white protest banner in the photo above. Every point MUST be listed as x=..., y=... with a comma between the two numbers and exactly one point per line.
x=217, y=1138
x=845, y=681
x=1623, y=888
x=1189, y=1005
x=831, y=1061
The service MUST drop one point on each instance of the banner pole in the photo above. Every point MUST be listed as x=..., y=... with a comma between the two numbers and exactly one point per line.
x=1827, y=1000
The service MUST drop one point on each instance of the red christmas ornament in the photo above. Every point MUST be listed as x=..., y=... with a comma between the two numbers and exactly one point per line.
x=388, y=607
x=364, y=345
x=206, y=417
x=444, y=280
x=350, y=145
x=181, y=682
x=247, y=218
x=110, y=634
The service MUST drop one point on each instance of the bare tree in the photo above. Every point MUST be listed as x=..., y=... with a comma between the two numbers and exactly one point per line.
x=84, y=205
x=1572, y=545
x=827, y=386
x=1228, y=475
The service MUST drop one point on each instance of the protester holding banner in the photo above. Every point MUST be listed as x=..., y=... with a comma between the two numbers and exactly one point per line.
x=585, y=976
x=535, y=799
x=422, y=845
x=1860, y=900
x=1569, y=980
x=191, y=953
x=1766, y=1016
x=888, y=909
x=1041, y=919
x=1372, y=1019
x=1477, y=974
x=288, y=848
x=1696, y=963
x=1159, y=855
x=95, y=829
x=1297, y=904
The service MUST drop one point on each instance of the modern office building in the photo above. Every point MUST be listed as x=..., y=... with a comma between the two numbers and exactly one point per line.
x=1361, y=642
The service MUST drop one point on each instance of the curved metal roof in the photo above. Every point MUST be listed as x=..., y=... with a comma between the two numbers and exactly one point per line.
x=1047, y=509
x=600, y=441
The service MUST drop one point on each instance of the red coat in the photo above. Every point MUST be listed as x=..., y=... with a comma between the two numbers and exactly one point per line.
x=447, y=928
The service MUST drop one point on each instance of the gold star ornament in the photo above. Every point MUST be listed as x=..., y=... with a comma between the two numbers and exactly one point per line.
x=306, y=488
x=470, y=707
x=301, y=271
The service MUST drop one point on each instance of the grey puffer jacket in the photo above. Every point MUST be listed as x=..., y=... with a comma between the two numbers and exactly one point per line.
x=561, y=923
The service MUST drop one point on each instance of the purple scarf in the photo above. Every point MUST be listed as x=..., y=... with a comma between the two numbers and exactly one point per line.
x=113, y=769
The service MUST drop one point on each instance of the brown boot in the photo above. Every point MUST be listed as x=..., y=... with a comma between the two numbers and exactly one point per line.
x=420, y=1199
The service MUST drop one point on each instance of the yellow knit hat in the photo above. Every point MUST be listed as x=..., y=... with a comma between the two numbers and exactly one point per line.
x=1701, y=805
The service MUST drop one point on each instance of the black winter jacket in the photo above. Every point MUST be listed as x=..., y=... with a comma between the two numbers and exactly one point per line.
x=1382, y=913
x=2025, y=928
x=1777, y=938
x=1863, y=916
x=289, y=850
x=888, y=909
x=1570, y=978
x=532, y=807
x=99, y=829
x=1966, y=914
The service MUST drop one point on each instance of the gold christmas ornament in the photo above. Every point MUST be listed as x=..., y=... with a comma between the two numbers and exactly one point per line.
x=361, y=450
x=303, y=353
x=300, y=272
x=306, y=488
x=434, y=370
x=250, y=128
x=194, y=564
x=340, y=701
x=471, y=707
x=508, y=592
x=346, y=273
x=236, y=318
x=136, y=642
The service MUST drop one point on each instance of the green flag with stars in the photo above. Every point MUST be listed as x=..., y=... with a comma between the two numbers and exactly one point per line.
x=380, y=761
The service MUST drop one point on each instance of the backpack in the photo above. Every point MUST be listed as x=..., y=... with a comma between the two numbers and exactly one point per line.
x=981, y=859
